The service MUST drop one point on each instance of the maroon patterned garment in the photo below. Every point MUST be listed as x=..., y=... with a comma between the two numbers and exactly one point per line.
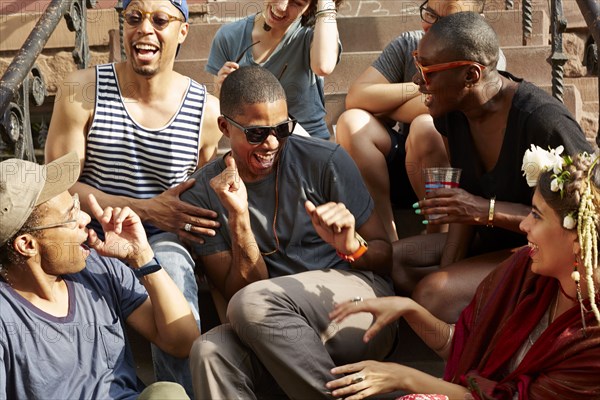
x=562, y=364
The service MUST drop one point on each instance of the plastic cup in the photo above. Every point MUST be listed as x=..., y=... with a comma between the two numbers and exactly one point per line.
x=440, y=177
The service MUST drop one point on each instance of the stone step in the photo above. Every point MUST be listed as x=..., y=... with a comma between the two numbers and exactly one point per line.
x=525, y=62
x=220, y=11
x=590, y=119
x=591, y=107
x=235, y=9
x=368, y=33
x=588, y=86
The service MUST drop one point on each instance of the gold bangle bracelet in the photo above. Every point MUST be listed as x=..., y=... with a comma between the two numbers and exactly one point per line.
x=490, y=221
x=449, y=340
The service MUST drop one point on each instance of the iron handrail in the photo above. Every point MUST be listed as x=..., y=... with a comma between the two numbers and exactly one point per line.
x=590, y=9
x=16, y=85
x=20, y=66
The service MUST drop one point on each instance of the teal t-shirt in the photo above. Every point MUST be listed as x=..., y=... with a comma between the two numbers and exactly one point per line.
x=290, y=62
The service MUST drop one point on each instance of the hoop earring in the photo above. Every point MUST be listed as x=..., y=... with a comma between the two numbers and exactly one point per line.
x=576, y=276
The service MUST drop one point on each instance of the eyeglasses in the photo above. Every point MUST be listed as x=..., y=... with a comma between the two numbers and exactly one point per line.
x=159, y=19
x=427, y=14
x=238, y=58
x=424, y=70
x=73, y=216
x=258, y=134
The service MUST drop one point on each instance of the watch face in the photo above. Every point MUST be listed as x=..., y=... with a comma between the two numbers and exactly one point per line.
x=361, y=240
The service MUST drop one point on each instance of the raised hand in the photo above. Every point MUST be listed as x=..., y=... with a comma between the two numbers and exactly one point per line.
x=225, y=70
x=124, y=234
x=334, y=223
x=230, y=188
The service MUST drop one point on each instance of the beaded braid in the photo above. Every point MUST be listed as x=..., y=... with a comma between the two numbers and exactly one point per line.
x=587, y=222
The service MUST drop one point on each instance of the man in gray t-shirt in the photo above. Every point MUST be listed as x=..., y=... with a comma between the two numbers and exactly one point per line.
x=383, y=106
x=293, y=213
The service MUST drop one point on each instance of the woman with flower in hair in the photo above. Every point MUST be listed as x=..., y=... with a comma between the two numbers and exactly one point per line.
x=532, y=331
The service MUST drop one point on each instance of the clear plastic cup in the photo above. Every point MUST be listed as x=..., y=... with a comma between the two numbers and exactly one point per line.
x=440, y=177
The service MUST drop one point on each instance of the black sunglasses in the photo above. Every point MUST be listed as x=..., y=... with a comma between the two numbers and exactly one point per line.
x=159, y=19
x=258, y=134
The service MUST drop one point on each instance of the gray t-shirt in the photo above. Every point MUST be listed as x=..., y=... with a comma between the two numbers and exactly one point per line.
x=330, y=175
x=290, y=62
x=84, y=355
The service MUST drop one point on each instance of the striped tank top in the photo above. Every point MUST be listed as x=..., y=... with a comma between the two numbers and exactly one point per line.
x=124, y=158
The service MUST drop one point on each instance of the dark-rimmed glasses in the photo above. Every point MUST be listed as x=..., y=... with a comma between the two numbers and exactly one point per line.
x=159, y=19
x=424, y=70
x=73, y=216
x=427, y=14
x=259, y=133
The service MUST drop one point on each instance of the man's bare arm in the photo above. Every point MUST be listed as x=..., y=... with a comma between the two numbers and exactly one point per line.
x=210, y=133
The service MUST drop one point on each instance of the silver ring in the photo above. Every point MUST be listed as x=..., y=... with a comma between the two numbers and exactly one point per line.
x=357, y=379
x=187, y=227
x=357, y=299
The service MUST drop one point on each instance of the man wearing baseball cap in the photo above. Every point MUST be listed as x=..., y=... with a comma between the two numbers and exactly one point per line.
x=64, y=301
x=140, y=130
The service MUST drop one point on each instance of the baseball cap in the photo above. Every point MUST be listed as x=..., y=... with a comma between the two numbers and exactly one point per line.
x=180, y=4
x=25, y=185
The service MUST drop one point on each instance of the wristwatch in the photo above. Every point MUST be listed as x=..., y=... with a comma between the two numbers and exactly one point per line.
x=147, y=268
x=362, y=249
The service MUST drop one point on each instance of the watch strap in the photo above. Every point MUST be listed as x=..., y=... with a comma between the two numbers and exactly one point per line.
x=362, y=249
x=148, y=268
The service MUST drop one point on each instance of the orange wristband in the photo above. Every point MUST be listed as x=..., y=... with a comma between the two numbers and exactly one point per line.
x=362, y=249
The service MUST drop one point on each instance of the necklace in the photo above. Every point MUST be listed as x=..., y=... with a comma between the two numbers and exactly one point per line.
x=275, y=214
x=572, y=298
x=266, y=26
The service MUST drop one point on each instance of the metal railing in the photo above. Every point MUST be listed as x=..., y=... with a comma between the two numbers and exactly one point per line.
x=23, y=82
x=590, y=9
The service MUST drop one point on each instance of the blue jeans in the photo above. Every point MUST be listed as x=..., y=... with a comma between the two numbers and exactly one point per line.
x=178, y=263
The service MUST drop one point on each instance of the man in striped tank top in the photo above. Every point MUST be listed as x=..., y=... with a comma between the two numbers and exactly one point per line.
x=140, y=130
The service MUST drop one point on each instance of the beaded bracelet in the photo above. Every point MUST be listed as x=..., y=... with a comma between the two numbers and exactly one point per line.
x=324, y=12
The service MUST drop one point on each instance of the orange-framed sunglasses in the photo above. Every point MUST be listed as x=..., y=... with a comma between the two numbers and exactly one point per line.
x=424, y=70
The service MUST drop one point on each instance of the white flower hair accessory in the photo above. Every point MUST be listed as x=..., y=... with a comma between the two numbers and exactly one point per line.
x=537, y=160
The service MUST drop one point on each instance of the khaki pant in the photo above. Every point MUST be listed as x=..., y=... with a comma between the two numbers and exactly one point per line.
x=280, y=337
